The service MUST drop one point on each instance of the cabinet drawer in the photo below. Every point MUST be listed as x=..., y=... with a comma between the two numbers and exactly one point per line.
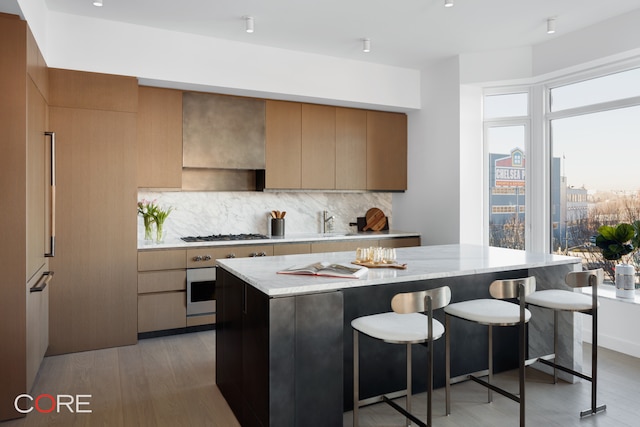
x=161, y=260
x=162, y=281
x=350, y=245
x=206, y=257
x=162, y=311
x=400, y=242
x=292, y=248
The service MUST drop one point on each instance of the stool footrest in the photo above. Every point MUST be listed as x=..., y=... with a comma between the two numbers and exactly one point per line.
x=490, y=386
x=565, y=369
x=403, y=411
x=380, y=398
x=589, y=412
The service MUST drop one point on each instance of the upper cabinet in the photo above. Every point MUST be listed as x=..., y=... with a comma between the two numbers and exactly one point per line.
x=283, y=145
x=386, y=151
x=159, y=138
x=319, y=147
x=351, y=149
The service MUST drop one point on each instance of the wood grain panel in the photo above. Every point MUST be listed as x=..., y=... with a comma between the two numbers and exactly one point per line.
x=36, y=66
x=283, y=144
x=159, y=138
x=13, y=107
x=167, y=310
x=162, y=259
x=80, y=89
x=318, y=147
x=349, y=245
x=291, y=248
x=399, y=242
x=162, y=281
x=93, y=304
x=351, y=149
x=386, y=151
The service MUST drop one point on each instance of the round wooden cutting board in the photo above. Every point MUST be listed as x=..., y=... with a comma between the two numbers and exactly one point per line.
x=376, y=220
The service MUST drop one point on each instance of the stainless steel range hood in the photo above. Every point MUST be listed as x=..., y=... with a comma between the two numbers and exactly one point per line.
x=223, y=141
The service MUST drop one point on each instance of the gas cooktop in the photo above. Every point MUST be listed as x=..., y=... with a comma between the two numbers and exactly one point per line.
x=223, y=237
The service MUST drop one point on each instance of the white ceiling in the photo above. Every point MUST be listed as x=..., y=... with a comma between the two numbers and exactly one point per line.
x=407, y=33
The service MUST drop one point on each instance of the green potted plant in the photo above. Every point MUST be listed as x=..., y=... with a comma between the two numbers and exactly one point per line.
x=618, y=244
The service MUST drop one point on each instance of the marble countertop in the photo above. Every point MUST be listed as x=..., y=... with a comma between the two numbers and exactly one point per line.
x=288, y=238
x=423, y=263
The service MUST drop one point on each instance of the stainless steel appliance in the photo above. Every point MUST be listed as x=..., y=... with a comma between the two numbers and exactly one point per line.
x=201, y=276
x=201, y=291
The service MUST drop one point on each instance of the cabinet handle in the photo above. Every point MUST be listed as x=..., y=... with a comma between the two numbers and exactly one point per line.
x=52, y=179
x=42, y=282
x=231, y=255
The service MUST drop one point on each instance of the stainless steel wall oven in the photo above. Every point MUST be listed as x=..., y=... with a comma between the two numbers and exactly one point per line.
x=201, y=291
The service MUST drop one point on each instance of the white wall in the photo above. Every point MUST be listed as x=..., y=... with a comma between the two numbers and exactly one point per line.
x=431, y=206
x=190, y=61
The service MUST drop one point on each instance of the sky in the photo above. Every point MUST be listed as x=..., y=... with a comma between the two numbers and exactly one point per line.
x=601, y=150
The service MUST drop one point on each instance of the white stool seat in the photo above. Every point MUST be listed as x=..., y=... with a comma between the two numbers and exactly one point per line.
x=398, y=328
x=487, y=311
x=558, y=299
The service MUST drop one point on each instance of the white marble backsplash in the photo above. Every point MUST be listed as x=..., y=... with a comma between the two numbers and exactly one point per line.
x=206, y=212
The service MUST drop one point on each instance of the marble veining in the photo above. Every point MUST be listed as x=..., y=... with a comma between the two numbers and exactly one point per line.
x=424, y=263
x=207, y=212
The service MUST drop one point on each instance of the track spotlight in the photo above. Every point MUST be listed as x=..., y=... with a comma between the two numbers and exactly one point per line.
x=551, y=25
x=448, y=3
x=97, y=3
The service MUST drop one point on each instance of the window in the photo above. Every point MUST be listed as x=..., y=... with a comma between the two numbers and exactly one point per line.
x=594, y=129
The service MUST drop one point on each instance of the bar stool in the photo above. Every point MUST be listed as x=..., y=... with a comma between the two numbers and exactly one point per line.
x=411, y=322
x=494, y=312
x=562, y=300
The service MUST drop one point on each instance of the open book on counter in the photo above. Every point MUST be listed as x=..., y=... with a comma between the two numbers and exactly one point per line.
x=327, y=269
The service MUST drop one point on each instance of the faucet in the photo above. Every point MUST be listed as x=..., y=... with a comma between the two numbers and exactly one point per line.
x=326, y=218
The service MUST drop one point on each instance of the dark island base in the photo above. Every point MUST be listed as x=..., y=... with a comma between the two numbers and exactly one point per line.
x=288, y=361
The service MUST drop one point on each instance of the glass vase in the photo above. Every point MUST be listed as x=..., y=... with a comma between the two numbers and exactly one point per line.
x=159, y=232
x=148, y=231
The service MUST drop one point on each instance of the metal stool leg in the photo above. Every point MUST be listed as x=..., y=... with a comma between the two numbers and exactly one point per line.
x=356, y=379
x=490, y=355
x=408, y=398
x=447, y=368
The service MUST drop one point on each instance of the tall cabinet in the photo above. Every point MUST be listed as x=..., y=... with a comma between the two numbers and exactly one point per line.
x=94, y=303
x=26, y=225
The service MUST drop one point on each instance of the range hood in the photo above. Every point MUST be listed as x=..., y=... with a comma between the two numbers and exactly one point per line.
x=223, y=142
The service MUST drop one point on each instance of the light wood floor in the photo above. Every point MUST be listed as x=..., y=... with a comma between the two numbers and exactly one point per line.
x=170, y=381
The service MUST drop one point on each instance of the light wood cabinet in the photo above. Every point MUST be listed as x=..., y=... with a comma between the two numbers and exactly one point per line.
x=340, y=246
x=24, y=329
x=386, y=151
x=159, y=138
x=162, y=285
x=351, y=149
x=283, y=145
x=318, y=147
x=399, y=242
x=94, y=302
x=292, y=248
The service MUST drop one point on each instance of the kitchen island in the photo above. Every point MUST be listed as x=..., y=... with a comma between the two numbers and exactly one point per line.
x=284, y=342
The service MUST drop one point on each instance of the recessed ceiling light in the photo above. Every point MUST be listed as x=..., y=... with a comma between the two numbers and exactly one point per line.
x=97, y=3
x=448, y=3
